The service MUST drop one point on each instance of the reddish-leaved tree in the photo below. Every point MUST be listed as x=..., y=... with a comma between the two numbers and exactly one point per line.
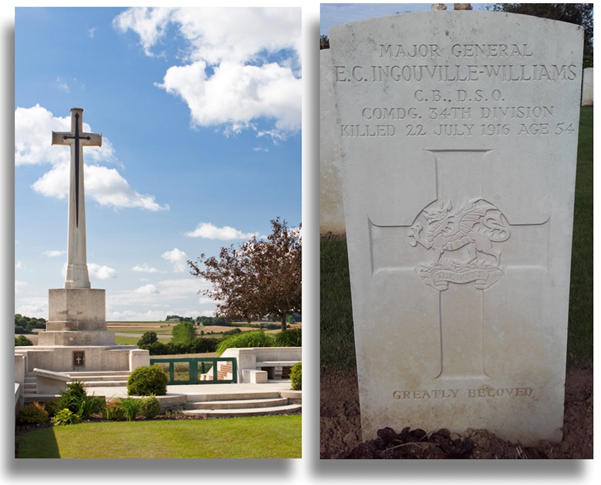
x=260, y=278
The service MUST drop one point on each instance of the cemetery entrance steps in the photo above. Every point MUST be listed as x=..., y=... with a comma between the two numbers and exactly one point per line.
x=240, y=404
x=91, y=380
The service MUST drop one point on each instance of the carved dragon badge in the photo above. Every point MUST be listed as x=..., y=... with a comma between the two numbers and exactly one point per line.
x=462, y=240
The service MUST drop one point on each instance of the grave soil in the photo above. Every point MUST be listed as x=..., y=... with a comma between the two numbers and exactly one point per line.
x=340, y=429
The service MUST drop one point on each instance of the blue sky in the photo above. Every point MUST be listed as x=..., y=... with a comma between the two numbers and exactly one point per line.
x=200, y=112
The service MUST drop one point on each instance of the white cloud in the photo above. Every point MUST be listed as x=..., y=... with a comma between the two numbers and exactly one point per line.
x=177, y=258
x=209, y=231
x=108, y=187
x=63, y=86
x=33, y=130
x=19, y=284
x=101, y=272
x=166, y=292
x=33, y=307
x=144, y=268
x=53, y=253
x=19, y=265
x=95, y=271
x=148, y=289
x=33, y=127
x=230, y=76
x=208, y=313
x=133, y=316
x=149, y=24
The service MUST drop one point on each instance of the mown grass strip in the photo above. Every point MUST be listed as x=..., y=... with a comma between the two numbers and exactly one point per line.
x=580, y=328
x=252, y=437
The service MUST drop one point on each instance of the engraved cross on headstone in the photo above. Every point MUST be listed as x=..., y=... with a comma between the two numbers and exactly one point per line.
x=455, y=245
x=77, y=268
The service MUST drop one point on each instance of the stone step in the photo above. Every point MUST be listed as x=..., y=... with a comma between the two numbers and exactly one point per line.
x=33, y=397
x=230, y=413
x=100, y=373
x=237, y=404
x=110, y=377
x=116, y=382
x=233, y=396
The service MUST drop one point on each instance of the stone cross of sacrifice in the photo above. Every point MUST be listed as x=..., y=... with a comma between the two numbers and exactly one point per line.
x=77, y=268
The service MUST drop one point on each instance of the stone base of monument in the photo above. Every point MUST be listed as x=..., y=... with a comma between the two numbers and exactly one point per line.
x=76, y=318
x=48, y=360
x=76, y=338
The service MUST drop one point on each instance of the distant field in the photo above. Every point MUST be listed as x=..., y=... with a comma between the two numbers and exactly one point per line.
x=128, y=333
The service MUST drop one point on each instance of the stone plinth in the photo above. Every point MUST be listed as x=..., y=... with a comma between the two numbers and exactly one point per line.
x=75, y=338
x=95, y=358
x=76, y=317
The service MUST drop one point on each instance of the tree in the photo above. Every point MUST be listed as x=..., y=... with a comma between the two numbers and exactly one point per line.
x=148, y=338
x=324, y=42
x=22, y=341
x=183, y=333
x=573, y=13
x=262, y=277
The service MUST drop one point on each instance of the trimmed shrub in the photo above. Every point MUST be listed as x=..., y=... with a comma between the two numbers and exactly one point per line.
x=245, y=340
x=289, y=338
x=147, y=381
x=150, y=407
x=32, y=414
x=65, y=417
x=296, y=376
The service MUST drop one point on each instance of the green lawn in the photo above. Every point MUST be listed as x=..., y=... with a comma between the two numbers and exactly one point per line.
x=252, y=437
x=337, y=344
x=580, y=329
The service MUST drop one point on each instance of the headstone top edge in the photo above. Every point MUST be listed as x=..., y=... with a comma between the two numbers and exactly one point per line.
x=458, y=13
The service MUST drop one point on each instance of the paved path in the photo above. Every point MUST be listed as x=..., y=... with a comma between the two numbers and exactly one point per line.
x=198, y=389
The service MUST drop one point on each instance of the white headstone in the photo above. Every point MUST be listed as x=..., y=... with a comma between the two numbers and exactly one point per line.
x=587, y=87
x=330, y=184
x=458, y=135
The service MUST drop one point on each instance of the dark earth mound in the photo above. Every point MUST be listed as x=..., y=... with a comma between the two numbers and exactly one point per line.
x=341, y=429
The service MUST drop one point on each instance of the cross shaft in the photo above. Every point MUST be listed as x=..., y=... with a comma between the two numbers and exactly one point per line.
x=77, y=269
